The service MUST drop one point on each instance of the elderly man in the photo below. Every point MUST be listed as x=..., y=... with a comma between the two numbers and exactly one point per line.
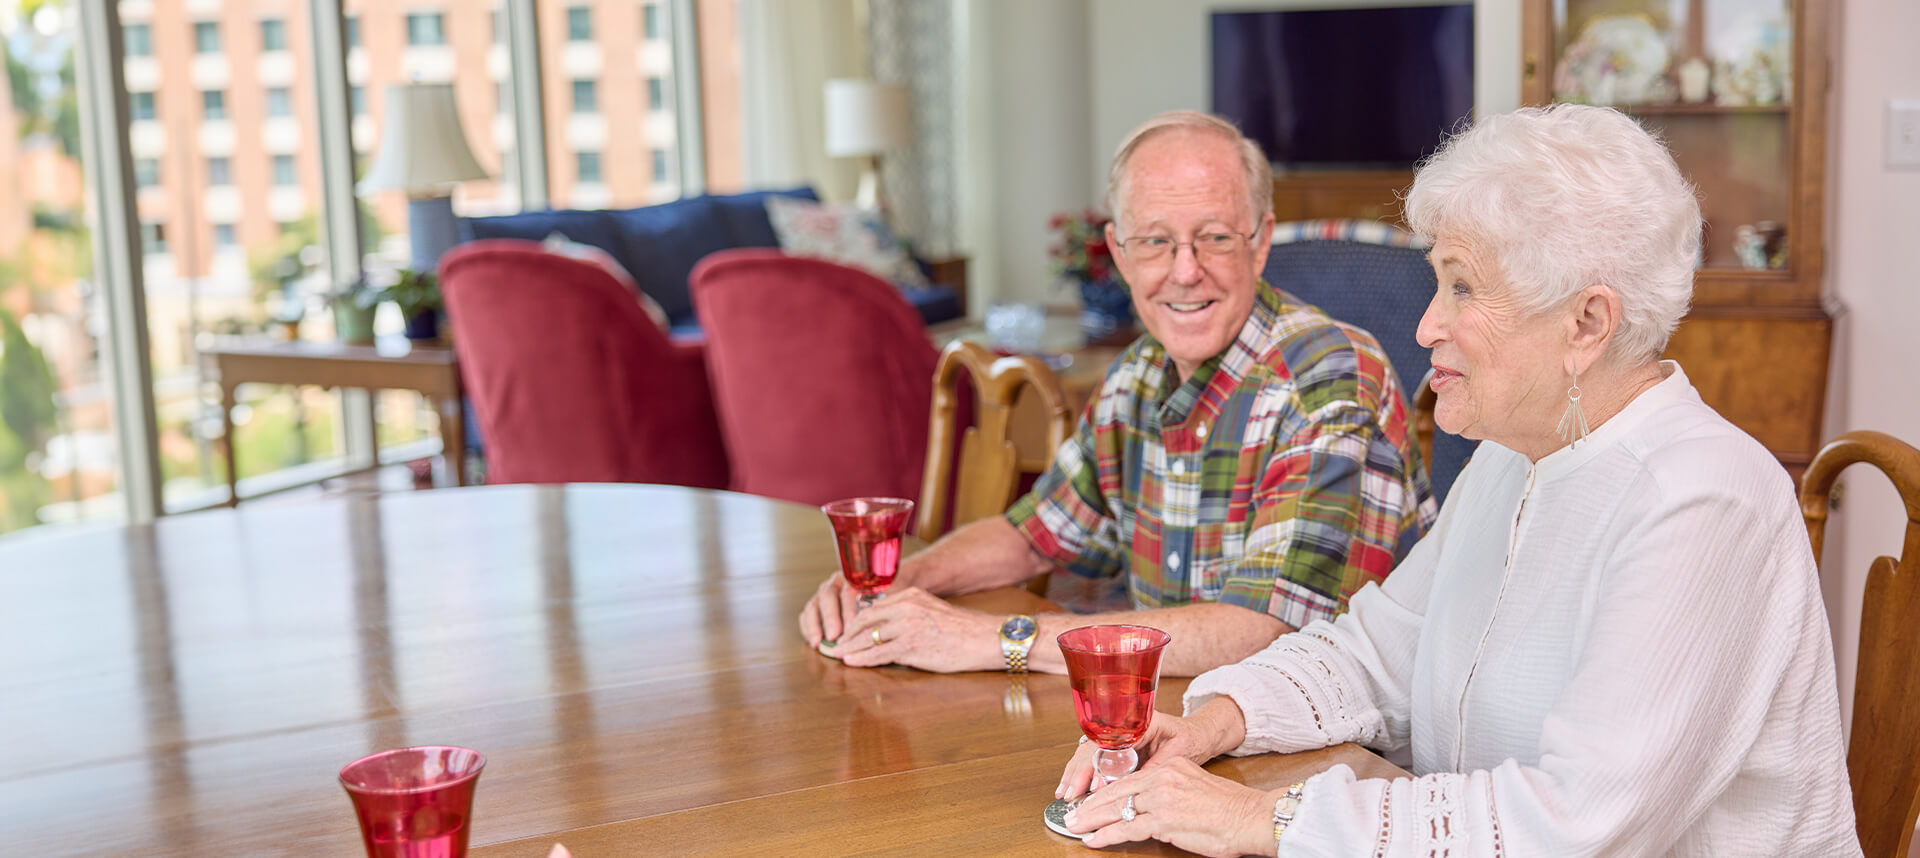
x=1246, y=465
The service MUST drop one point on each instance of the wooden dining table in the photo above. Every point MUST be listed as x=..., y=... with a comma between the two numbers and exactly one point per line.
x=626, y=657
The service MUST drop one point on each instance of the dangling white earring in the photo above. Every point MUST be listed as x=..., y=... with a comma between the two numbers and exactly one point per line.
x=1573, y=423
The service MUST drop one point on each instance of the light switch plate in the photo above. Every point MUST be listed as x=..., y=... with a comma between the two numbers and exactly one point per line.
x=1903, y=134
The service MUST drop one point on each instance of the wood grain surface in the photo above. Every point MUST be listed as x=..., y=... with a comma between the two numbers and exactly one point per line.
x=619, y=653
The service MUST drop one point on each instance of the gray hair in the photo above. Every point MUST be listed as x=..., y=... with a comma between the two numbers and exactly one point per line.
x=1565, y=197
x=1255, y=168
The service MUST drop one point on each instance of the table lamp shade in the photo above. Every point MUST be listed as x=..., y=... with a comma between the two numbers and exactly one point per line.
x=422, y=146
x=866, y=117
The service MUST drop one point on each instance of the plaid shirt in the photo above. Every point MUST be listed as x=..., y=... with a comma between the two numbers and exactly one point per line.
x=1280, y=477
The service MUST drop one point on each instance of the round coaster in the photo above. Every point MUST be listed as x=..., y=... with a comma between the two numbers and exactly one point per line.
x=1056, y=817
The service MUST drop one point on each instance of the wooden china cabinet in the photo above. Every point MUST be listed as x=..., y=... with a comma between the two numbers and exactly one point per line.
x=1738, y=89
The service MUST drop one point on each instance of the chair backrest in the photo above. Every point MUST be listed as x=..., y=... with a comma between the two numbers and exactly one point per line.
x=823, y=375
x=982, y=475
x=1370, y=275
x=1883, y=753
x=571, y=380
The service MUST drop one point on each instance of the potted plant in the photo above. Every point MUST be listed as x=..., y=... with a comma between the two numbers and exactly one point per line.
x=353, y=306
x=417, y=294
x=1082, y=257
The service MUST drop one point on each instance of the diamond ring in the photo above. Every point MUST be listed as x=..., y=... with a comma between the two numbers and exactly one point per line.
x=1126, y=810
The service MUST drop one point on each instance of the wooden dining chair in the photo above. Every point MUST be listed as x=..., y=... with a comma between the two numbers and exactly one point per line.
x=1883, y=755
x=982, y=477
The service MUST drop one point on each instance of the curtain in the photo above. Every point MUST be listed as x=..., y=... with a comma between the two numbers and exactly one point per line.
x=789, y=50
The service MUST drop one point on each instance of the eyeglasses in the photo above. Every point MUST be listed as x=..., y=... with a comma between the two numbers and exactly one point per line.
x=1151, y=249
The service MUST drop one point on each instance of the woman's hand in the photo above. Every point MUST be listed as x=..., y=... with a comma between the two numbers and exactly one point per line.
x=1212, y=730
x=1178, y=802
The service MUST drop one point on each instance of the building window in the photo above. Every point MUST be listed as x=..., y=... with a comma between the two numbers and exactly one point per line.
x=587, y=167
x=206, y=37
x=357, y=97
x=586, y=98
x=273, y=34
x=223, y=235
x=650, y=21
x=656, y=94
x=219, y=171
x=146, y=172
x=153, y=238
x=353, y=31
x=659, y=166
x=283, y=171
x=426, y=28
x=137, y=39
x=279, y=101
x=213, y=105
x=579, y=24
x=140, y=106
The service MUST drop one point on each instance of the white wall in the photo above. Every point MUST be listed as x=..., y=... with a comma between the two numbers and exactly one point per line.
x=1873, y=214
x=1151, y=56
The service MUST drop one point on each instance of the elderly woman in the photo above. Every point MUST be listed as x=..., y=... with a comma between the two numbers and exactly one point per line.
x=1612, y=642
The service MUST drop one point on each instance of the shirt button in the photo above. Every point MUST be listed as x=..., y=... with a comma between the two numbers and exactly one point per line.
x=1200, y=430
x=1179, y=467
x=1173, y=560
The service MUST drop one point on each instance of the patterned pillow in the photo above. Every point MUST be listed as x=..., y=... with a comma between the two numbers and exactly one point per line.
x=847, y=235
x=558, y=242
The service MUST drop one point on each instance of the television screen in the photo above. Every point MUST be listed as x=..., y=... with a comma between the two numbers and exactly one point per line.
x=1345, y=88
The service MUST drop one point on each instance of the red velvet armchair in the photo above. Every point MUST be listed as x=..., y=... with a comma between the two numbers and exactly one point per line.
x=822, y=375
x=571, y=380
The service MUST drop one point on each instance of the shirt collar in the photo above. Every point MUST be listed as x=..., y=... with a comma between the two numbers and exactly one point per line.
x=1177, y=398
x=1672, y=389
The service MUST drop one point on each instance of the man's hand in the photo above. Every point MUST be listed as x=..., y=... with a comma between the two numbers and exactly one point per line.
x=918, y=629
x=825, y=616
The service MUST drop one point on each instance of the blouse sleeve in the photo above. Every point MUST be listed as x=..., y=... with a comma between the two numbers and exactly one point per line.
x=1703, y=603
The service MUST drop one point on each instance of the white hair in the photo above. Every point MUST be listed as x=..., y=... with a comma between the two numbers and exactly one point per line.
x=1566, y=197
x=1256, y=171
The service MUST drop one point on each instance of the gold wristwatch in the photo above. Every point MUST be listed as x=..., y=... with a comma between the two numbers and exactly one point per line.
x=1016, y=640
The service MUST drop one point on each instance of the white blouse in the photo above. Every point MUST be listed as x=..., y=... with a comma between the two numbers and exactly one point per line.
x=1619, y=650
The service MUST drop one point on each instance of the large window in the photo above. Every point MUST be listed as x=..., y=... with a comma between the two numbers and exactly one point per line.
x=58, y=459
x=224, y=141
x=621, y=116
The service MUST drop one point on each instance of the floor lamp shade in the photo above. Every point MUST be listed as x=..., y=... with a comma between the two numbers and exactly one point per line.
x=865, y=118
x=424, y=152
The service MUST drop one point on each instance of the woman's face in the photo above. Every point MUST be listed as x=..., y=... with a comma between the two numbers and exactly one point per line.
x=1498, y=370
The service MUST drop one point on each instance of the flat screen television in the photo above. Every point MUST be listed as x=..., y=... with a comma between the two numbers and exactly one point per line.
x=1345, y=88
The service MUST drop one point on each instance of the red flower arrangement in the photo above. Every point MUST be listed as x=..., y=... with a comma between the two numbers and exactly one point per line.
x=1081, y=252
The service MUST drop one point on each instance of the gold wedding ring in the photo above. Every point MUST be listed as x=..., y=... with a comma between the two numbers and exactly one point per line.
x=876, y=636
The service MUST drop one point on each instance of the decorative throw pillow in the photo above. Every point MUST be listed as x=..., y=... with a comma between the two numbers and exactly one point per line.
x=847, y=235
x=559, y=243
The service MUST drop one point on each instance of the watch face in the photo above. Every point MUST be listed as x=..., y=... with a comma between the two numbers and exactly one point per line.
x=1018, y=628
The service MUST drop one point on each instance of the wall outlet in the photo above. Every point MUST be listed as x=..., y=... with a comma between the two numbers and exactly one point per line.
x=1903, y=134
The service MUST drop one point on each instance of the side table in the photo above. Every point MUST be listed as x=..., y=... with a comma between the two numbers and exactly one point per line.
x=390, y=365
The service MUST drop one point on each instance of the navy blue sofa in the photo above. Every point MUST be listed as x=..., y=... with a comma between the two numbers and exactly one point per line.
x=660, y=244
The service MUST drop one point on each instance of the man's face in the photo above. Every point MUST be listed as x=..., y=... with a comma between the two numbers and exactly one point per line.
x=1187, y=194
